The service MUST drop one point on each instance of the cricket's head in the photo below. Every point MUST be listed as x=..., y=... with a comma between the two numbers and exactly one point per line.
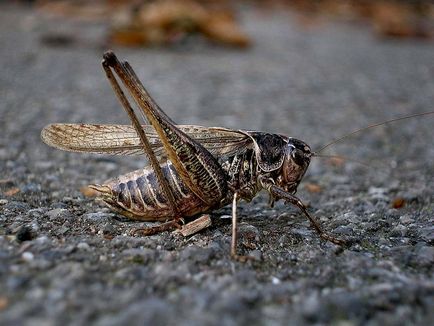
x=296, y=161
x=284, y=159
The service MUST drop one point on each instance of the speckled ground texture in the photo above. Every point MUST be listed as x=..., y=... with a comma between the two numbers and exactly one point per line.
x=66, y=259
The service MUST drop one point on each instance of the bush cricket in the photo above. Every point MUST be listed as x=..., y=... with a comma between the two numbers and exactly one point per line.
x=193, y=169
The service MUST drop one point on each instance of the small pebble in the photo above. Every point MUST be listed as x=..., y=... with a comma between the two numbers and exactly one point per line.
x=399, y=231
x=256, y=254
x=17, y=206
x=424, y=256
x=57, y=213
x=311, y=307
x=378, y=193
x=343, y=229
x=275, y=280
x=249, y=232
x=108, y=229
x=27, y=256
x=427, y=234
x=83, y=246
x=31, y=188
x=25, y=233
x=98, y=217
x=406, y=219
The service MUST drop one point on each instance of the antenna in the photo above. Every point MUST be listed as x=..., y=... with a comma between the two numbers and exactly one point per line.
x=340, y=139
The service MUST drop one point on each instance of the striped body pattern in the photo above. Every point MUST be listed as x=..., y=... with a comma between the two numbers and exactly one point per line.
x=139, y=196
x=198, y=166
x=242, y=170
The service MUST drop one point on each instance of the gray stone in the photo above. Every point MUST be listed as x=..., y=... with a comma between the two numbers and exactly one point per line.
x=108, y=229
x=25, y=233
x=424, y=256
x=83, y=246
x=427, y=234
x=99, y=217
x=58, y=214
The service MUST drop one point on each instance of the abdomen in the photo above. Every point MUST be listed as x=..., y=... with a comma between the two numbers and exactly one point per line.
x=138, y=195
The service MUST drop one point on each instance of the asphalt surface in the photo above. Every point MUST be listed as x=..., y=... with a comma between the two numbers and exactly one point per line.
x=66, y=259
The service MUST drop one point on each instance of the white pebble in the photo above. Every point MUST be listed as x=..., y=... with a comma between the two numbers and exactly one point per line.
x=27, y=256
x=83, y=246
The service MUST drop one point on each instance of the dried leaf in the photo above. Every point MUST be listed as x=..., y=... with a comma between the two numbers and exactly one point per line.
x=336, y=161
x=128, y=37
x=168, y=21
x=12, y=191
x=221, y=27
x=398, y=20
x=85, y=10
x=4, y=302
x=398, y=202
x=390, y=18
x=313, y=188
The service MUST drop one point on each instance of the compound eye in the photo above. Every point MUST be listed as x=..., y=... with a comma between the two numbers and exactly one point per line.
x=298, y=157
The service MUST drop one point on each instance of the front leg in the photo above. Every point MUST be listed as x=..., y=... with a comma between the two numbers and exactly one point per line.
x=234, y=227
x=234, y=240
x=279, y=193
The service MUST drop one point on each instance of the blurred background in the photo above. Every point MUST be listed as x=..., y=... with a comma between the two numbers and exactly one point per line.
x=167, y=22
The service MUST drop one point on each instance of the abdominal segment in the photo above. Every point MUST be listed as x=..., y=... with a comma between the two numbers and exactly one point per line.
x=139, y=196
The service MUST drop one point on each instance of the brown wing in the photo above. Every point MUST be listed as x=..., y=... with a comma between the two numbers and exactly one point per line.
x=123, y=140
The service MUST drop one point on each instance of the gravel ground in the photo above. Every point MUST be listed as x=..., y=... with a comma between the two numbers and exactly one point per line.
x=66, y=259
